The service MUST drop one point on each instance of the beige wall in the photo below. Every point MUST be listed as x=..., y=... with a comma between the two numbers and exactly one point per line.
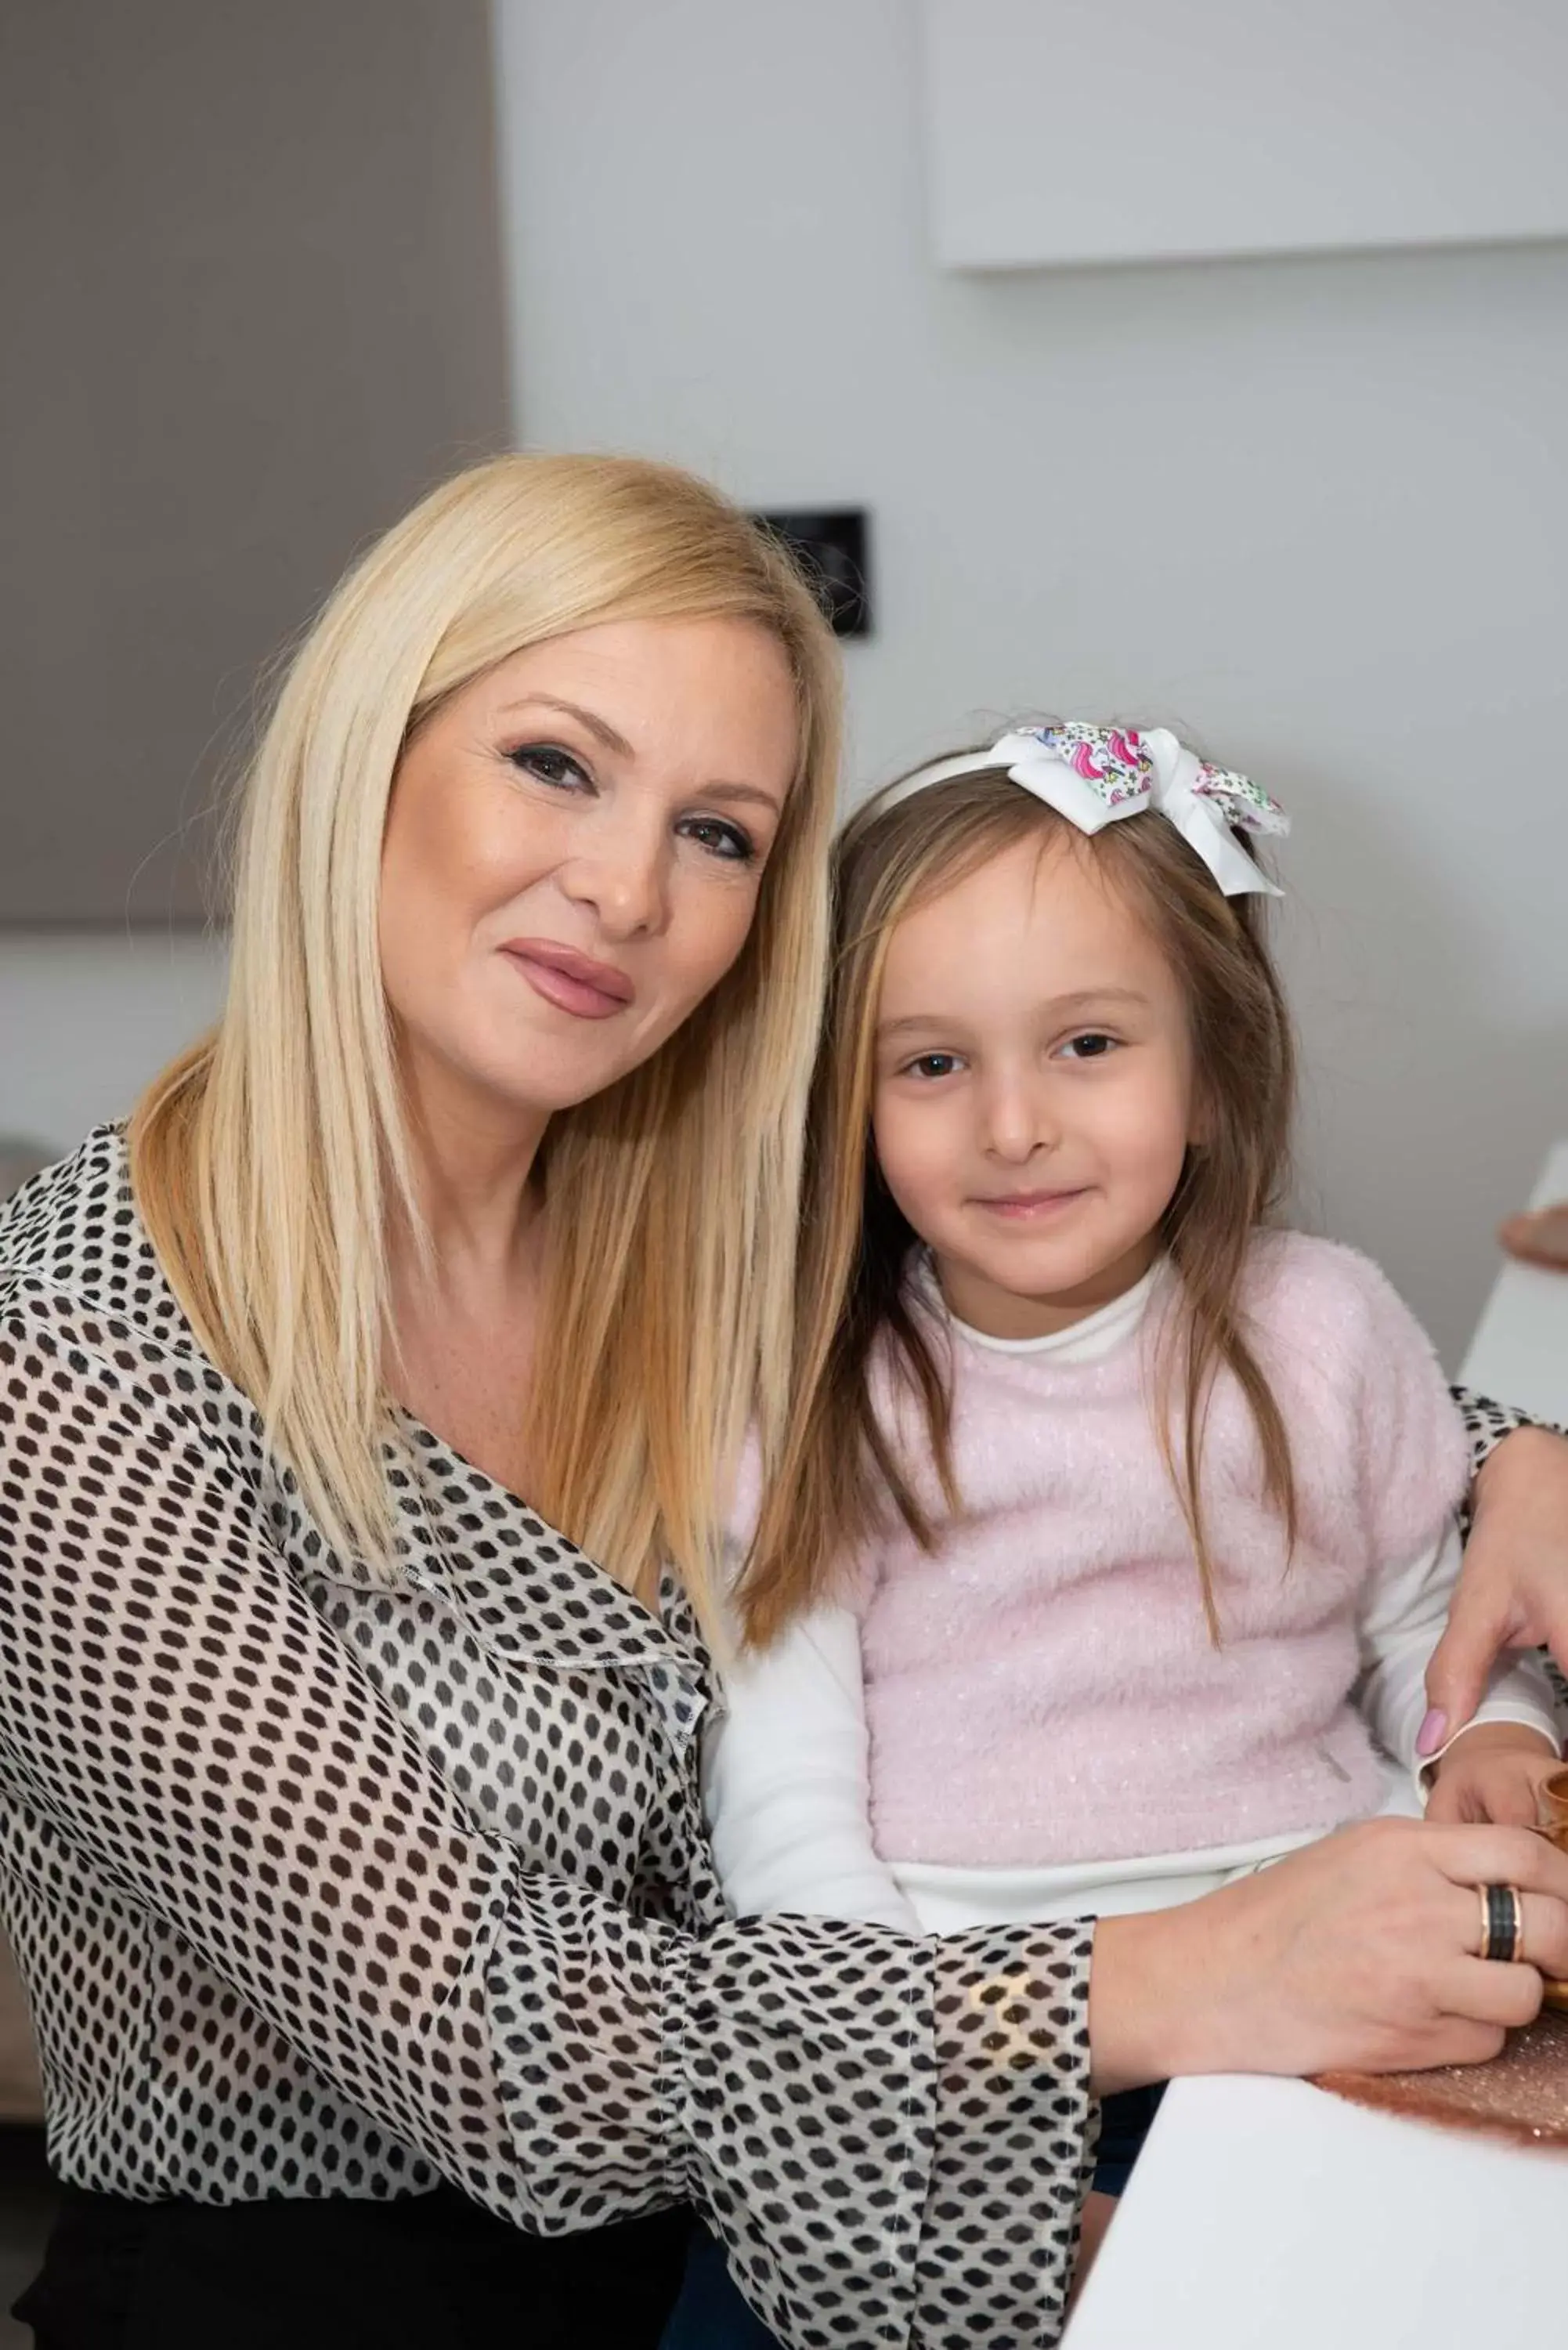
x=251, y=306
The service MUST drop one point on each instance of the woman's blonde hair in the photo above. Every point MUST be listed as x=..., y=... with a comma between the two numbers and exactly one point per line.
x=841, y=1473
x=267, y=1161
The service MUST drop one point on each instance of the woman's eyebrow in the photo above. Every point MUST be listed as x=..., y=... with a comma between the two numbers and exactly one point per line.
x=741, y=792
x=599, y=728
x=603, y=732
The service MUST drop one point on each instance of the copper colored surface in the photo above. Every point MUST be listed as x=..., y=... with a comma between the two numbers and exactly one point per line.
x=1553, y=1797
x=1554, y=1800
x=1522, y=2095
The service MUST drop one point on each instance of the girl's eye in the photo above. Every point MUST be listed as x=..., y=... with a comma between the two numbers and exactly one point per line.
x=932, y=1065
x=721, y=839
x=1090, y=1047
x=549, y=765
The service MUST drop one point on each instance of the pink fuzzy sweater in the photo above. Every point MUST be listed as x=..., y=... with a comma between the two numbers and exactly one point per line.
x=1044, y=1687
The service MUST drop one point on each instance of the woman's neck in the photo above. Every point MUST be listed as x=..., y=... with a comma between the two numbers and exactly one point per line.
x=472, y=1159
x=464, y=1292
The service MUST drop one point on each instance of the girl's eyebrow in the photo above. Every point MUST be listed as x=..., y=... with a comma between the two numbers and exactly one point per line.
x=1058, y=1006
x=912, y=1020
x=1083, y=996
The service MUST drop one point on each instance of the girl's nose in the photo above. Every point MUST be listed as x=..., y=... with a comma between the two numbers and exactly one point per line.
x=1017, y=1121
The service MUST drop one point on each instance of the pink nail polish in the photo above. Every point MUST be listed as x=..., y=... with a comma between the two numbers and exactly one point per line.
x=1433, y=1732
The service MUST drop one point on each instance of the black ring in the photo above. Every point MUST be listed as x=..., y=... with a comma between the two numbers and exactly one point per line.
x=1502, y=1923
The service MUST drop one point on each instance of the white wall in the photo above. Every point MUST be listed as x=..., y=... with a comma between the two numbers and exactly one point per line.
x=1313, y=512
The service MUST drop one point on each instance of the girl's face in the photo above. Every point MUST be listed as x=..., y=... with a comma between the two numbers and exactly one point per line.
x=573, y=855
x=1033, y=1090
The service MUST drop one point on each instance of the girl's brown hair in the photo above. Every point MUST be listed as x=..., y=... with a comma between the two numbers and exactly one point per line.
x=840, y=1469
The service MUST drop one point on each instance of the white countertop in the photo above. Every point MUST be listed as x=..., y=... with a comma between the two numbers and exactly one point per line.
x=1520, y=1351
x=1267, y=2215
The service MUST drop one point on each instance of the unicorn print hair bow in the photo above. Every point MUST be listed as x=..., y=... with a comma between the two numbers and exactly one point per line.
x=1094, y=776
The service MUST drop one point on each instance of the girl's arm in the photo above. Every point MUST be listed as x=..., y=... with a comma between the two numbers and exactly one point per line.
x=787, y=1785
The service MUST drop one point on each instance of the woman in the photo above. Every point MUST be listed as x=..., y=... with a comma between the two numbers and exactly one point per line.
x=351, y=1840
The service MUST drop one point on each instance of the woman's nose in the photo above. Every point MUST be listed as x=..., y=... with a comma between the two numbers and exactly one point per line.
x=623, y=875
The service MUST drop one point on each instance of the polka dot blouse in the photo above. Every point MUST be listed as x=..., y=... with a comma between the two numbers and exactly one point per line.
x=325, y=1888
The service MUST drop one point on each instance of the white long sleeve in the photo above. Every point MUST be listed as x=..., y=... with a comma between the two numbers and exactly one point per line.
x=788, y=1786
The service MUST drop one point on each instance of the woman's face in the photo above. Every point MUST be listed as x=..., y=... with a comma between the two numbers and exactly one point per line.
x=572, y=854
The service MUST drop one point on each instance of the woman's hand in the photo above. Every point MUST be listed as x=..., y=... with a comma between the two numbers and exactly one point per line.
x=1359, y=1951
x=1513, y=1591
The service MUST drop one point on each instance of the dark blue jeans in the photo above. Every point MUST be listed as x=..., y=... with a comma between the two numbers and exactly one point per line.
x=712, y=2315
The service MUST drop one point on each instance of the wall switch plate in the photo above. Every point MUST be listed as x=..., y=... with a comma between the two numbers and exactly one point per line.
x=830, y=545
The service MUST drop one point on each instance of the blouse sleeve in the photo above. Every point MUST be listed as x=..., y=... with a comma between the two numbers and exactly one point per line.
x=891, y=2133
x=1487, y=1423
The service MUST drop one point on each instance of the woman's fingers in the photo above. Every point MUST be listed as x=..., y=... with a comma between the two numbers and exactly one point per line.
x=1491, y=1854
x=1542, y=1945
x=1480, y=1625
x=1502, y=1998
x=1456, y=2040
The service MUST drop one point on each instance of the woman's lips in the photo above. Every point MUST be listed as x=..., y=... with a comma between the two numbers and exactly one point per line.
x=572, y=982
x=1026, y=1207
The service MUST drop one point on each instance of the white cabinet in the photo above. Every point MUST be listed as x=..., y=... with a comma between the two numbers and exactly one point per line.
x=1063, y=132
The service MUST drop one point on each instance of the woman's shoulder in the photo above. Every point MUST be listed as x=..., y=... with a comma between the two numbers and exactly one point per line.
x=71, y=1241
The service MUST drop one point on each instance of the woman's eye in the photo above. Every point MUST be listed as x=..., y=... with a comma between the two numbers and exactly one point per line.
x=549, y=765
x=721, y=839
x=1090, y=1047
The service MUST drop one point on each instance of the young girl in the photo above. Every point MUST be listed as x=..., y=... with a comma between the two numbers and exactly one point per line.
x=1120, y=1527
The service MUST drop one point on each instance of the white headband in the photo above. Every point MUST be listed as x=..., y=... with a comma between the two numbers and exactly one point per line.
x=1094, y=776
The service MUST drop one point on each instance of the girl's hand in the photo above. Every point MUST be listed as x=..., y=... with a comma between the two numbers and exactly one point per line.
x=1493, y=1773
x=1359, y=1951
x=1513, y=1591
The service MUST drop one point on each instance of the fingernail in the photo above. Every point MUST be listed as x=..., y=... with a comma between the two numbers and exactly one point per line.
x=1433, y=1732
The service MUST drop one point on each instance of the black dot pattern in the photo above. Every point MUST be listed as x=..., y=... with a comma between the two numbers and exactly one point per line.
x=1487, y=1423
x=322, y=1888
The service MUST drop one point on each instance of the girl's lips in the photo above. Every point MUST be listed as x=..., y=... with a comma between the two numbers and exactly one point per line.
x=1021, y=1206
x=572, y=982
